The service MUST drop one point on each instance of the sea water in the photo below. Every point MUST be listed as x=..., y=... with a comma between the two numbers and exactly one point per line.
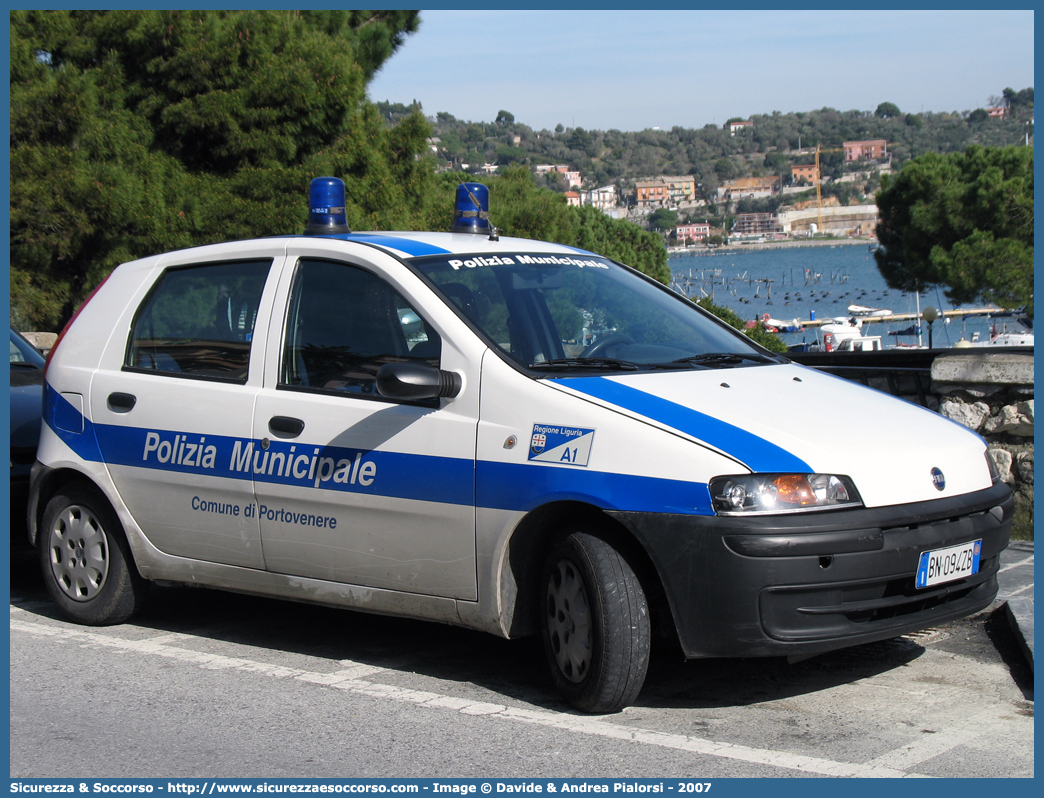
x=817, y=282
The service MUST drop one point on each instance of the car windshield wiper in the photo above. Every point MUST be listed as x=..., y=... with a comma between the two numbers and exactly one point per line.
x=721, y=359
x=585, y=363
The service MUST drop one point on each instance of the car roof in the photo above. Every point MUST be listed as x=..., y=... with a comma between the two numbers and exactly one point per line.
x=405, y=245
x=410, y=244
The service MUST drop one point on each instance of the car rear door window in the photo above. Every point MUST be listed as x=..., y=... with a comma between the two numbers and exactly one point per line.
x=198, y=321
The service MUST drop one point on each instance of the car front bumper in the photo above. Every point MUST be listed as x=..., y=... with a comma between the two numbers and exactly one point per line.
x=802, y=584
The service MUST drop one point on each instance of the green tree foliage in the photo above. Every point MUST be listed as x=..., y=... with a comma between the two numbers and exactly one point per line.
x=758, y=333
x=726, y=169
x=507, y=154
x=581, y=140
x=623, y=241
x=519, y=208
x=1023, y=101
x=887, y=111
x=135, y=132
x=963, y=221
x=760, y=205
x=663, y=219
x=776, y=163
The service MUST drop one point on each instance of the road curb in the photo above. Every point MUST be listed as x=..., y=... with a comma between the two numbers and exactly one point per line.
x=1019, y=612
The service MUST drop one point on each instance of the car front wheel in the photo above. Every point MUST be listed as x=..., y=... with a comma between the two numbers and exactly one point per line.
x=596, y=624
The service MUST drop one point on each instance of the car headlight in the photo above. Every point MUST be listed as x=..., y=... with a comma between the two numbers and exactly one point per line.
x=748, y=494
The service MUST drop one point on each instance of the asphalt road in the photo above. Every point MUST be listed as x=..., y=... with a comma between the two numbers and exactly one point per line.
x=207, y=684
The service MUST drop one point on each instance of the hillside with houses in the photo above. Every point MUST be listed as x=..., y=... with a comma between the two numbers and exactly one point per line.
x=765, y=177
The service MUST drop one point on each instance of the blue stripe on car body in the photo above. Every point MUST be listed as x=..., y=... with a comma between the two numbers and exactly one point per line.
x=414, y=249
x=60, y=416
x=488, y=484
x=524, y=487
x=754, y=452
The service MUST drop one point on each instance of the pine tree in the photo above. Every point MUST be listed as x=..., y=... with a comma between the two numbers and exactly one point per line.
x=135, y=132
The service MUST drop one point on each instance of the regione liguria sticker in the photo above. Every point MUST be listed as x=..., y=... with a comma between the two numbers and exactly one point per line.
x=554, y=443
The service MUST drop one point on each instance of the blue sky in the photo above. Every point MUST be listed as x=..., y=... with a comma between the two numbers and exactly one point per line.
x=633, y=70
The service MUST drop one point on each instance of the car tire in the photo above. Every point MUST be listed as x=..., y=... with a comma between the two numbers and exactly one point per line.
x=85, y=559
x=596, y=627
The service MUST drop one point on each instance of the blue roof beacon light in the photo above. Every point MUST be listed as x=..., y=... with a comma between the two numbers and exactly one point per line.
x=326, y=214
x=471, y=212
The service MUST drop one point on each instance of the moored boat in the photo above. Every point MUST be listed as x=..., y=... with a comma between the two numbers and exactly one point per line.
x=863, y=310
x=1022, y=335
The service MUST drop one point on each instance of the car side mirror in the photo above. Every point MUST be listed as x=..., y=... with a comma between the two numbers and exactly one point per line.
x=412, y=380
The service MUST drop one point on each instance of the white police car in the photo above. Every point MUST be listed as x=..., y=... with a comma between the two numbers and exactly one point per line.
x=508, y=435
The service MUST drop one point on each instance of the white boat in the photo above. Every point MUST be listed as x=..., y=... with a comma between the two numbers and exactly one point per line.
x=1021, y=336
x=844, y=334
x=794, y=325
x=843, y=327
x=863, y=310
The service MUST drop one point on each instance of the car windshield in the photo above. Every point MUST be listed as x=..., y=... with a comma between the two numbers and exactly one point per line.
x=567, y=313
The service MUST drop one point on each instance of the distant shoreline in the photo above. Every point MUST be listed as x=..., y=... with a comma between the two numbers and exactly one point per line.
x=734, y=248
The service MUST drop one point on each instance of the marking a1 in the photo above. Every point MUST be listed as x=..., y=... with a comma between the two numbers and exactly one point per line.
x=557, y=443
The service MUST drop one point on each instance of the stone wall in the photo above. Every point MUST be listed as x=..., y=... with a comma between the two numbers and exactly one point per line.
x=991, y=392
x=41, y=340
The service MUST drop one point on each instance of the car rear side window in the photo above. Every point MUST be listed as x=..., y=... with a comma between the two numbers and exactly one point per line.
x=198, y=321
x=344, y=324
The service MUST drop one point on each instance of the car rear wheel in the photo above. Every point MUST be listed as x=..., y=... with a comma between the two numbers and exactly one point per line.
x=85, y=560
x=596, y=624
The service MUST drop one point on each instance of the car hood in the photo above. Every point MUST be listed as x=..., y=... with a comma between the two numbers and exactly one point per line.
x=789, y=418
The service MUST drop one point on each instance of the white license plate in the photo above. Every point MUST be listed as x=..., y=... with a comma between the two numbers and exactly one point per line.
x=946, y=565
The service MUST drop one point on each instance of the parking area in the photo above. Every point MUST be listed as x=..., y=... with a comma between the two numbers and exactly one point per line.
x=210, y=683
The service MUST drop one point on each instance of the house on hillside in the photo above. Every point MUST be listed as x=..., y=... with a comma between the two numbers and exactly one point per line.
x=749, y=188
x=692, y=232
x=570, y=177
x=650, y=193
x=572, y=198
x=665, y=191
x=805, y=172
x=866, y=150
x=603, y=198
x=736, y=127
x=680, y=188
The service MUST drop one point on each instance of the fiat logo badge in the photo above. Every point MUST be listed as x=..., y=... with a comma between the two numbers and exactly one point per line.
x=938, y=479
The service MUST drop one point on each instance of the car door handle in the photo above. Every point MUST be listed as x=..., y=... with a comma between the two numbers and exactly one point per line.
x=121, y=402
x=284, y=426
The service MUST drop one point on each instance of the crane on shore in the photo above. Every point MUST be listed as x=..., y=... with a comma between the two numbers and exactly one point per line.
x=819, y=183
